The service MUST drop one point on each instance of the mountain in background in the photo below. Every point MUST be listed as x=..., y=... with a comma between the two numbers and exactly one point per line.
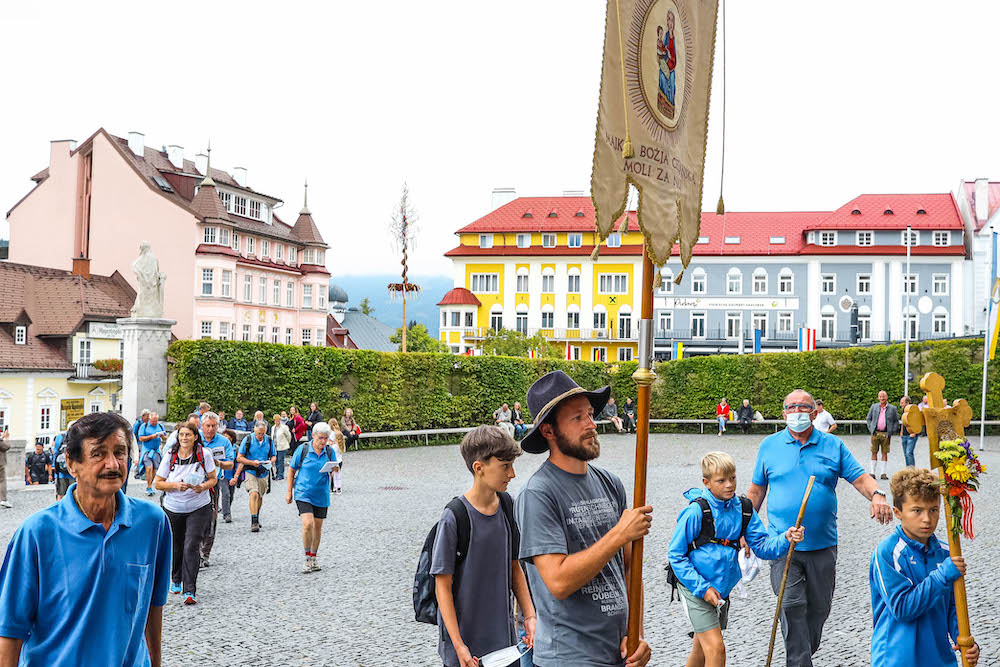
x=423, y=309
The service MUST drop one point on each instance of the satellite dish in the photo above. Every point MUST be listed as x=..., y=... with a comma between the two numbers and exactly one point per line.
x=924, y=304
x=845, y=303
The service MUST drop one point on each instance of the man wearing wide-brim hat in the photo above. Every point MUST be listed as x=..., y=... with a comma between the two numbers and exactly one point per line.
x=576, y=532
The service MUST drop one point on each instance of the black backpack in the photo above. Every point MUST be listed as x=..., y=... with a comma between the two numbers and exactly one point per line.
x=707, y=535
x=425, y=605
x=329, y=454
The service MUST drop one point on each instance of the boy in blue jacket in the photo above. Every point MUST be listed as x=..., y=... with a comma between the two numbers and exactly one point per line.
x=911, y=576
x=706, y=572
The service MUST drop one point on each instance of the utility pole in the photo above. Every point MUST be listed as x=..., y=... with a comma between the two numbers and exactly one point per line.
x=906, y=315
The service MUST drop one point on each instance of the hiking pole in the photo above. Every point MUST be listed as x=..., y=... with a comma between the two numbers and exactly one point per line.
x=784, y=576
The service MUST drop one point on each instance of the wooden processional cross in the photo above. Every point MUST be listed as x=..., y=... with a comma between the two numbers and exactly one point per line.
x=944, y=424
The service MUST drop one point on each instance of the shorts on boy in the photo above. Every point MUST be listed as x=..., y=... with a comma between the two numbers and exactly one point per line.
x=256, y=484
x=309, y=508
x=703, y=615
x=880, y=442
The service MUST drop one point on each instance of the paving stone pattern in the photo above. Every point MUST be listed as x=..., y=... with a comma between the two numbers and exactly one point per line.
x=255, y=608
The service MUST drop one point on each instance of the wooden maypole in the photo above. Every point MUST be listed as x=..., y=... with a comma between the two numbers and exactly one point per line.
x=403, y=229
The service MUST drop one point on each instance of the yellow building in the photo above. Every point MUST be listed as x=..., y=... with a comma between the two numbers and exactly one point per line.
x=526, y=266
x=60, y=348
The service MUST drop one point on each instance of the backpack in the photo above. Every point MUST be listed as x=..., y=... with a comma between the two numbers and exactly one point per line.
x=707, y=535
x=425, y=605
x=329, y=454
x=239, y=450
x=199, y=456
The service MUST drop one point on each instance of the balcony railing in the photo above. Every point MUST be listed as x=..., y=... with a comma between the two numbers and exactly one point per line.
x=86, y=371
x=774, y=336
x=561, y=334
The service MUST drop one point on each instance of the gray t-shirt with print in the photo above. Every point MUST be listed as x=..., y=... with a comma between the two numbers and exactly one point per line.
x=562, y=513
x=483, y=591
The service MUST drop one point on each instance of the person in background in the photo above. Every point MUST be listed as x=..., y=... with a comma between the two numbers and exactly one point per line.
x=223, y=422
x=502, y=417
x=203, y=408
x=60, y=466
x=223, y=454
x=237, y=423
x=908, y=441
x=883, y=422
x=744, y=415
x=824, y=420
x=151, y=436
x=629, y=410
x=297, y=425
x=310, y=489
x=314, y=417
x=722, y=414
x=350, y=428
x=284, y=416
x=84, y=580
x=255, y=451
x=339, y=449
x=282, y=438
x=139, y=421
x=610, y=412
x=37, y=467
x=4, y=448
x=517, y=418
x=228, y=480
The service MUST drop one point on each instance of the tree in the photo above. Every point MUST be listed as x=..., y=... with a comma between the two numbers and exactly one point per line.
x=366, y=306
x=512, y=343
x=418, y=340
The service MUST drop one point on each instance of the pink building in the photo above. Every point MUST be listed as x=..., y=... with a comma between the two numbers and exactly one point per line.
x=234, y=269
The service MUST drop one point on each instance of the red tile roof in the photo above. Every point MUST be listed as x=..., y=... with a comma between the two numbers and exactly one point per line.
x=922, y=250
x=460, y=296
x=573, y=214
x=306, y=231
x=208, y=206
x=940, y=212
x=993, y=197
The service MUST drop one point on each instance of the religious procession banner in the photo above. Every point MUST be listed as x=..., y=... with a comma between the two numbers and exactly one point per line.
x=655, y=86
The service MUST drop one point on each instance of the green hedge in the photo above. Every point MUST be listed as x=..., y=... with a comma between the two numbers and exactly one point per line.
x=393, y=391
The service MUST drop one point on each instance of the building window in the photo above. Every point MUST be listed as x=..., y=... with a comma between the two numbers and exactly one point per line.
x=760, y=281
x=246, y=333
x=265, y=248
x=260, y=333
x=624, y=354
x=600, y=354
x=600, y=320
x=4, y=421
x=290, y=295
x=786, y=282
x=574, y=240
x=548, y=284
x=486, y=283
x=811, y=238
x=698, y=325
x=910, y=322
x=522, y=283
x=548, y=320
x=667, y=283
x=734, y=325
x=826, y=326
x=227, y=200
x=83, y=351
x=207, y=276
x=777, y=240
x=444, y=318
x=548, y=240
x=309, y=256
x=914, y=238
x=95, y=406
x=940, y=284
x=612, y=283
x=223, y=236
x=942, y=238
x=864, y=238
x=521, y=324
x=615, y=240
x=227, y=280
x=760, y=323
x=827, y=238
x=20, y=335
x=864, y=327
x=275, y=334
x=206, y=330
x=236, y=242
x=911, y=283
x=468, y=319
x=828, y=283
x=573, y=284
x=288, y=336
x=247, y=287
x=940, y=324
x=307, y=296
x=121, y=349
x=209, y=235
x=666, y=322
x=45, y=418
x=624, y=325
x=262, y=294
x=255, y=209
x=524, y=240
x=278, y=248
x=864, y=283
x=485, y=241
x=496, y=321
x=250, y=245
x=574, y=353
x=785, y=322
x=734, y=282
x=240, y=205
x=223, y=330
x=455, y=315
x=573, y=320
x=699, y=283
x=292, y=251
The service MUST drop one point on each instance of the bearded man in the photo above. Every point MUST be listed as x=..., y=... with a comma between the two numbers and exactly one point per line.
x=576, y=533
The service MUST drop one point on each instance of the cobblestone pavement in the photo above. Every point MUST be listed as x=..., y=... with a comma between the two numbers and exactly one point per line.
x=255, y=608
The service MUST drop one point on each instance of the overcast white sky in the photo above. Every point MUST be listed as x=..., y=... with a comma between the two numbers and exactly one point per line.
x=827, y=100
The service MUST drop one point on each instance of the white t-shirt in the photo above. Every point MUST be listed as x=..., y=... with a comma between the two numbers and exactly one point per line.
x=824, y=421
x=182, y=502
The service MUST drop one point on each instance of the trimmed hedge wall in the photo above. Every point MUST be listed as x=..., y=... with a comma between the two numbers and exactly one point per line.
x=394, y=391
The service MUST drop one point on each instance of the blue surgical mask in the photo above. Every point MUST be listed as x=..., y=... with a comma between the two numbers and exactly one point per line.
x=798, y=421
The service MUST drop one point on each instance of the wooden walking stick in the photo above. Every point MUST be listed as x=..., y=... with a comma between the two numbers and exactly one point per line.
x=788, y=563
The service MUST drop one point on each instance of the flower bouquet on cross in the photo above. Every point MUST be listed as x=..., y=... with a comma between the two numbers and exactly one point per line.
x=961, y=475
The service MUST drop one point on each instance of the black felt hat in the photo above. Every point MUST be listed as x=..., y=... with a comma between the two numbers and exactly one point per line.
x=545, y=394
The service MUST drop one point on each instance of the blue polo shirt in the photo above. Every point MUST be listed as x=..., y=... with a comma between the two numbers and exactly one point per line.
x=311, y=486
x=239, y=424
x=221, y=442
x=255, y=450
x=77, y=595
x=149, y=429
x=784, y=466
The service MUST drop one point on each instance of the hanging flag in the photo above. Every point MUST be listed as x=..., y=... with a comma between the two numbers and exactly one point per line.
x=652, y=119
x=757, y=334
x=677, y=351
x=807, y=339
x=993, y=304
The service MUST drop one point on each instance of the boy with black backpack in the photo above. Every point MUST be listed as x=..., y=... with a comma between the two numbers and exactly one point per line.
x=474, y=558
x=704, y=552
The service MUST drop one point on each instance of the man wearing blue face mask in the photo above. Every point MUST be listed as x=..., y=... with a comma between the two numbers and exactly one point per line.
x=785, y=461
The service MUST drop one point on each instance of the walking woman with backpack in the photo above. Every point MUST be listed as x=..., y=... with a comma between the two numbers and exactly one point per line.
x=309, y=486
x=186, y=474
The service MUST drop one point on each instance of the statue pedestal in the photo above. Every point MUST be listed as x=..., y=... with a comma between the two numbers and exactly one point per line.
x=144, y=369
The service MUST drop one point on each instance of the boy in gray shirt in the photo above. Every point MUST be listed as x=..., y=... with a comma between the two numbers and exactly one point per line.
x=576, y=533
x=473, y=593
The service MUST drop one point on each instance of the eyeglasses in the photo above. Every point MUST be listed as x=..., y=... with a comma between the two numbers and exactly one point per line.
x=799, y=407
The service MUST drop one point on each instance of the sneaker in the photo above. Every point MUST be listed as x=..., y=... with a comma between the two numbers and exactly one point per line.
x=314, y=564
x=884, y=476
x=4, y=503
x=175, y=589
x=338, y=491
x=150, y=491
x=308, y=567
x=189, y=598
x=873, y=475
x=254, y=527
x=204, y=561
x=227, y=519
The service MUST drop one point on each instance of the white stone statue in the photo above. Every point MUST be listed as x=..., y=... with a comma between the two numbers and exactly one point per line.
x=149, y=299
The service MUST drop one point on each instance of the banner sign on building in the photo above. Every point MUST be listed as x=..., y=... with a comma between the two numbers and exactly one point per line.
x=70, y=409
x=104, y=330
x=729, y=303
x=655, y=84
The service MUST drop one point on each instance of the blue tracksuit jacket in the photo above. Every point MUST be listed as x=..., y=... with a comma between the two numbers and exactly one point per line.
x=912, y=602
x=716, y=565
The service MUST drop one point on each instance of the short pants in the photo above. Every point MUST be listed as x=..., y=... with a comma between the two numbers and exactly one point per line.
x=880, y=441
x=255, y=484
x=150, y=459
x=62, y=485
x=307, y=508
x=703, y=616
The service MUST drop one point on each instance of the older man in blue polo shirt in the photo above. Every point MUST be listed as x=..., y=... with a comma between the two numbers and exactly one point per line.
x=84, y=581
x=785, y=461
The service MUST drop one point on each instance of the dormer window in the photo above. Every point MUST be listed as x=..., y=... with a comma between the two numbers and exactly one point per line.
x=552, y=214
x=20, y=335
x=578, y=214
x=921, y=211
x=240, y=205
x=828, y=238
x=614, y=240
x=527, y=214
x=255, y=209
x=887, y=211
x=485, y=240
x=855, y=212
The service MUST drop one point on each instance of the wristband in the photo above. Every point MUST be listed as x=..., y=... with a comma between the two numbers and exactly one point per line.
x=879, y=492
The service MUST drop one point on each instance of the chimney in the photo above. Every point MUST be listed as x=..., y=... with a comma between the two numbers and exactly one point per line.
x=136, y=143
x=81, y=267
x=176, y=156
x=503, y=196
x=201, y=163
x=240, y=176
x=982, y=195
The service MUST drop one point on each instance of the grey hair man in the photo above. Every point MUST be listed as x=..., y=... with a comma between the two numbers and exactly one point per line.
x=883, y=421
x=257, y=456
x=222, y=454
